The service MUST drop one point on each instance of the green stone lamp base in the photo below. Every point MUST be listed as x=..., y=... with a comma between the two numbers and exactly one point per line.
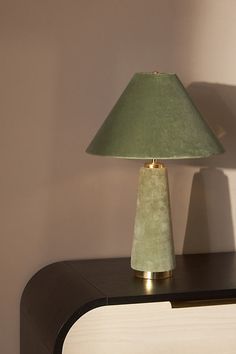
x=152, y=254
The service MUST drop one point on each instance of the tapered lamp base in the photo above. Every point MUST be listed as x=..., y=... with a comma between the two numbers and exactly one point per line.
x=152, y=254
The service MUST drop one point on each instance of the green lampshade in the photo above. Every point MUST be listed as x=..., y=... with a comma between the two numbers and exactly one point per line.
x=155, y=118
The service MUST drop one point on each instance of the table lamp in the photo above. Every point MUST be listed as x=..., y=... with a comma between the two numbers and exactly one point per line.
x=154, y=119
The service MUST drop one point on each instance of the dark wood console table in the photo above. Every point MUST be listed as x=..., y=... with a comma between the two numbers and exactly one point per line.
x=59, y=294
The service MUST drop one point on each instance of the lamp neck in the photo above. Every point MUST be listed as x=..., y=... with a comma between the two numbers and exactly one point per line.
x=153, y=164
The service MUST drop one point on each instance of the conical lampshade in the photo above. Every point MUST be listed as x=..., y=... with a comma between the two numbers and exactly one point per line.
x=155, y=118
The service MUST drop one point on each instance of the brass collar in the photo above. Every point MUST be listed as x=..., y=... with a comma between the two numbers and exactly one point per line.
x=153, y=164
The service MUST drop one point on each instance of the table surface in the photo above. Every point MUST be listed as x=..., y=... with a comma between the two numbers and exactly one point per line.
x=59, y=294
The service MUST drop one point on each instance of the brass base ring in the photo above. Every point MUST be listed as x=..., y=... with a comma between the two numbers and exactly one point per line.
x=153, y=275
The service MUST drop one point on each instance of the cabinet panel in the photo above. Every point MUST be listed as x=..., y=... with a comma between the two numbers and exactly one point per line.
x=154, y=328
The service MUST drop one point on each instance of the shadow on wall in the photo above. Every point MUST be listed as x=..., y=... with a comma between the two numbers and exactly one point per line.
x=209, y=223
x=209, y=217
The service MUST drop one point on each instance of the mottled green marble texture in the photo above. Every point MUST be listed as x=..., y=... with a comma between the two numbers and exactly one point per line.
x=153, y=248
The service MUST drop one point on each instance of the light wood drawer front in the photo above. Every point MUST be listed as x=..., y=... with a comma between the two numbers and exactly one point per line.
x=154, y=328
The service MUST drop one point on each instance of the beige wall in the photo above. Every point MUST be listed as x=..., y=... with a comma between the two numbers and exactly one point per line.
x=204, y=54
x=63, y=64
